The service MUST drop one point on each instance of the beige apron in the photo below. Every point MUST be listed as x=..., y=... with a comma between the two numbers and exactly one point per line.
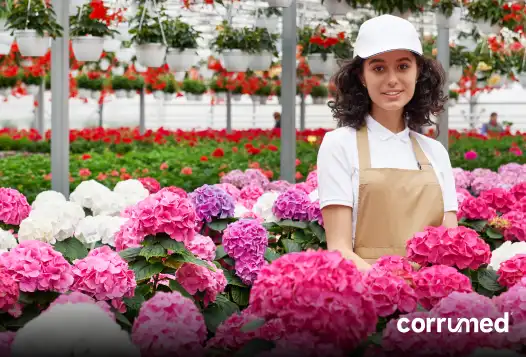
x=393, y=204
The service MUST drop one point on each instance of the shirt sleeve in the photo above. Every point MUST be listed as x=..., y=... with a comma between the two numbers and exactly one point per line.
x=450, y=190
x=334, y=173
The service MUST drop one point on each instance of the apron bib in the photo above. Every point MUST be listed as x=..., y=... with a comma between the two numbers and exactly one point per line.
x=394, y=204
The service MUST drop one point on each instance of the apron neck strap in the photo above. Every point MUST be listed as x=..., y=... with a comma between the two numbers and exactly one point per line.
x=364, y=156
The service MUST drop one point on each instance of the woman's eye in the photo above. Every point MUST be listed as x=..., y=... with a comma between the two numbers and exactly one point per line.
x=378, y=69
x=404, y=66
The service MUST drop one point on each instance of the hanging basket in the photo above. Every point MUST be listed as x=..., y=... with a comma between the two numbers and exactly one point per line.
x=522, y=79
x=4, y=92
x=319, y=100
x=131, y=94
x=236, y=97
x=111, y=44
x=33, y=89
x=95, y=94
x=151, y=54
x=337, y=7
x=31, y=44
x=120, y=93
x=158, y=94
x=279, y=3
x=194, y=97
x=455, y=74
x=168, y=97
x=181, y=61
x=487, y=28
x=260, y=61
x=6, y=40
x=87, y=48
x=236, y=60
x=269, y=23
x=220, y=95
x=83, y=93
x=125, y=55
x=318, y=66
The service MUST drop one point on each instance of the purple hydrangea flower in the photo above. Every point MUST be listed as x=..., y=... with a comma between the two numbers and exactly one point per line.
x=292, y=204
x=245, y=241
x=278, y=185
x=236, y=178
x=212, y=202
x=256, y=177
x=314, y=212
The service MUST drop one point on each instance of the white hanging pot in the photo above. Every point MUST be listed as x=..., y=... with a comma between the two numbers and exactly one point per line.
x=450, y=22
x=262, y=100
x=319, y=100
x=337, y=7
x=168, y=97
x=131, y=94
x=117, y=71
x=4, y=49
x=125, y=54
x=260, y=61
x=236, y=60
x=181, y=60
x=95, y=94
x=5, y=92
x=194, y=97
x=123, y=34
x=33, y=89
x=120, y=93
x=158, y=94
x=151, y=54
x=83, y=93
x=279, y=3
x=220, y=95
x=140, y=68
x=111, y=44
x=522, y=79
x=31, y=44
x=206, y=73
x=318, y=66
x=455, y=74
x=6, y=39
x=487, y=28
x=87, y=48
x=236, y=97
x=179, y=76
x=269, y=23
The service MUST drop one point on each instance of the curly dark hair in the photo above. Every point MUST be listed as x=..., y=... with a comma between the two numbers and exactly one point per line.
x=351, y=102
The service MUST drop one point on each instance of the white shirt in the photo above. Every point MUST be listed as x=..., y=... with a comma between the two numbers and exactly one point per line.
x=338, y=167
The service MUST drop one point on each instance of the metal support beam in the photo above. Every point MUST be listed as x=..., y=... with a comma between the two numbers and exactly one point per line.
x=39, y=123
x=60, y=103
x=101, y=114
x=142, y=112
x=443, y=58
x=302, y=112
x=288, y=95
x=228, y=112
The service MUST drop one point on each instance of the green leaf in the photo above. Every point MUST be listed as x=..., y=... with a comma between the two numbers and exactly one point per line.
x=240, y=295
x=218, y=225
x=271, y=254
x=170, y=244
x=176, y=286
x=293, y=224
x=130, y=253
x=71, y=249
x=300, y=236
x=220, y=252
x=254, y=347
x=176, y=260
x=233, y=279
x=493, y=234
x=122, y=319
x=135, y=302
x=488, y=279
x=144, y=270
x=479, y=225
x=291, y=246
x=253, y=325
x=151, y=251
x=318, y=231
x=218, y=312
x=270, y=225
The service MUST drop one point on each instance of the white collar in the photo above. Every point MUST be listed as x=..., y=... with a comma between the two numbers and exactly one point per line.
x=383, y=133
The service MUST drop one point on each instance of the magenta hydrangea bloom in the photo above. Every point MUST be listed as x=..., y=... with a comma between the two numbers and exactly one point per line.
x=475, y=208
x=202, y=246
x=246, y=241
x=230, y=189
x=35, y=265
x=104, y=275
x=312, y=179
x=251, y=192
x=316, y=292
x=256, y=177
x=169, y=324
x=151, y=184
x=499, y=199
x=13, y=206
x=314, y=212
x=211, y=202
x=9, y=291
x=177, y=190
x=519, y=191
x=512, y=270
x=236, y=178
x=292, y=204
x=196, y=278
x=513, y=302
x=76, y=297
x=396, y=265
x=278, y=185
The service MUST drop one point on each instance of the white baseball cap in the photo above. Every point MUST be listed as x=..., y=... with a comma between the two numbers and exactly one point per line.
x=386, y=33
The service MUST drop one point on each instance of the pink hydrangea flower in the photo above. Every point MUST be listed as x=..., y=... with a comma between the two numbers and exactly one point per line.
x=312, y=179
x=256, y=177
x=236, y=178
x=317, y=292
x=462, y=194
x=513, y=301
x=519, y=191
x=303, y=186
x=13, y=206
x=76, y=297
x=396, y=265
x=245, y=241
x=278, y=185
x=461, y=247
x=512, y=270
x=434, y=283
x=194, y=278
x=314, y=212
x=103, y=275
x=151, y=184
x=470, y=155
x=230, y=189
x=484, y=181
x=35, y=265
x=390, y=293
x=475, y=208
x=202, y=246
x=9, y=291
x=463, y=178
x=177, y=190
x=499, y=199
x=516, y=231
x=229, y=335
x=128, y=236
x=520, y=205
x=251, y=192
x=169, y=324
x=292, y=204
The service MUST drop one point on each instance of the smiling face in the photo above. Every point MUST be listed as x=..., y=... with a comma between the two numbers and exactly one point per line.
x=390, y=79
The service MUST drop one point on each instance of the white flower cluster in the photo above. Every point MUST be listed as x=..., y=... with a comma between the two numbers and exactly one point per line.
x=505, y=252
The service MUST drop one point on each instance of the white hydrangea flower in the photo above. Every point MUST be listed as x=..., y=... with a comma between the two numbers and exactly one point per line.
x=240, y=210
x=314, y=196
x=111, y=204
x=63, y=216
x=505, y=252
x=36, y=228
x=131, y=191
x=108, y=227
x=45, y=197
x=73, y=330
x=7, y=241
x=263, y=206
x=88, y=192
x=87, y=231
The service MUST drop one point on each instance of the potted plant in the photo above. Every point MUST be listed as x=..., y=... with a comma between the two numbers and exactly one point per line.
x=33, y=24
x=91, y=85
x=321, y=50
x=234, y=46
x=262, y=93
x=8, y=80
x=148, y=36
x=88, y=32
x=136, y=84
x=263, y=48
x=237, y=93
x=268, y=18
x=32, y=82
x=6, y=40
x=487, y=14
x=444, y=12
x=194, y=89
x=218, y=86
x=319, y=94
x=121, y=85
x=182, y=45
x=170, y=89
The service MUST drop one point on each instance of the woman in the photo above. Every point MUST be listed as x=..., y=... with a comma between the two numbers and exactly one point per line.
x=379, y=180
